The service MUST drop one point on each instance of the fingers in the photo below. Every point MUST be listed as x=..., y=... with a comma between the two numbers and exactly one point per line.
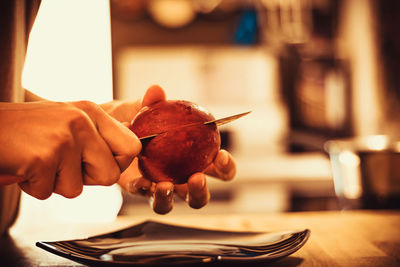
x=162, y=200
x=160, y=195
x=154, y=94
x=132, y=181
x=223, y=167
x=195, y=192
x=69, y=180
x=140, y=186
x=38, y=188
x=123, y=144
x=41, y=185
x=99, y=166
x=198, y=191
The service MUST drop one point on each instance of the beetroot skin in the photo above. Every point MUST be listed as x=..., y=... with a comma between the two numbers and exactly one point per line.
x=178, y=152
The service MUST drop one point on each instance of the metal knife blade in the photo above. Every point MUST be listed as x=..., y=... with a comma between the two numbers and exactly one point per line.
x=226, y=120
x=218, y=122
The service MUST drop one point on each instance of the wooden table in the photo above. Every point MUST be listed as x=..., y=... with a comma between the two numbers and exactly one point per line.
x=348, y=238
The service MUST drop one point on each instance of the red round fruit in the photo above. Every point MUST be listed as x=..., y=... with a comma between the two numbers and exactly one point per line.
x=178, y=152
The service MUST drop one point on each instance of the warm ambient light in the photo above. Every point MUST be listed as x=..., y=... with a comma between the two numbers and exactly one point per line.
x=351, y=175
x=69, y=52
x=377, y=142
x=69, y=58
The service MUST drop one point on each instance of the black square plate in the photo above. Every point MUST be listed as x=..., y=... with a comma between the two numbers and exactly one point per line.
x=154, y=243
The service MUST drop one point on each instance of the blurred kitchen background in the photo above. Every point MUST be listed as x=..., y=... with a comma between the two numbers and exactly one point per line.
x=309, y=70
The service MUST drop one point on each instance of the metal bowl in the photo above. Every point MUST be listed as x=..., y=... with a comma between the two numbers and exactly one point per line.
x=366, y=171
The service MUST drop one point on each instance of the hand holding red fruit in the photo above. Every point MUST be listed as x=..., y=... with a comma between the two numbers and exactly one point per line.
x=193, y=188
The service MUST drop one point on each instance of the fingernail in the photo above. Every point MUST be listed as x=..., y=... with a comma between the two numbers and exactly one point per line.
x=203, y=183
x=168, y=194
x=187, y=198
x=151, y=201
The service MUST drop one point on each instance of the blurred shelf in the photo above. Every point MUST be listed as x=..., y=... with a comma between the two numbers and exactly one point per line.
x=280, y=168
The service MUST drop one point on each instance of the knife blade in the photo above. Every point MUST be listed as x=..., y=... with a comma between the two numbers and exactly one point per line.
x=226, y=120
x=217, y=122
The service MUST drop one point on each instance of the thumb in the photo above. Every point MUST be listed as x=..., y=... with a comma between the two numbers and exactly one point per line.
x=153, y=94
x=123, y=143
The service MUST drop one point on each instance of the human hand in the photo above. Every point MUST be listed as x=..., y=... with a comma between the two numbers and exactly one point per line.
x=195, y=192
x=56, y=147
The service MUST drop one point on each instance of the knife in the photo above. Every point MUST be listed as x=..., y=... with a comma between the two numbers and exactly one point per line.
x=217, y=122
